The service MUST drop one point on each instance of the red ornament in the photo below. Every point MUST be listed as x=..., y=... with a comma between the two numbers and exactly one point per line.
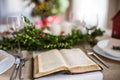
x=52, y=19
x=43, y=35
x=48, y=20
x=116, y=26
x=6, y=32
x=40, y=24
x=62, y=32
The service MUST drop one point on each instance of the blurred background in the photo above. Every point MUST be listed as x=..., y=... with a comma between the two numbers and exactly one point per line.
x=78, y=10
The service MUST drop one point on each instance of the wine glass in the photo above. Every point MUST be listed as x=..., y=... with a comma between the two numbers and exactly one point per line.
x=90, y=22
x=15, y=23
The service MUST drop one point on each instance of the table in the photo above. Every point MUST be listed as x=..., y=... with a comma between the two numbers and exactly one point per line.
x=113, y=73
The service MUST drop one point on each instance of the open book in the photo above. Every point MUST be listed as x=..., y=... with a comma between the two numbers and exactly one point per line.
x=72, y=60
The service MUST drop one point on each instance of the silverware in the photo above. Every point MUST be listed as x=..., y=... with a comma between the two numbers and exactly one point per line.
x=17, y=64
x=22, y=70
x=90, y=51
x=23, y=61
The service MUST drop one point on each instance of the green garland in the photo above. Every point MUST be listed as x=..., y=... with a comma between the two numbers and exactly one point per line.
x=31, y=38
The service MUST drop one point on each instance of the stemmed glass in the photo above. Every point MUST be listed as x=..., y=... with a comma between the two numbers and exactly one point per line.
x=90, y=23
x=14, y=25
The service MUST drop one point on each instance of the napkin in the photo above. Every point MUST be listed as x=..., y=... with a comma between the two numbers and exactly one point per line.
x=113, y=42
x=98, y=75
x=108, y=48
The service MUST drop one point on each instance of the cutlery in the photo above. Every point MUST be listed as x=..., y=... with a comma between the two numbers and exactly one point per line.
x=17, y=64
x=24, y=58
x=22, y=69
x=90, y=51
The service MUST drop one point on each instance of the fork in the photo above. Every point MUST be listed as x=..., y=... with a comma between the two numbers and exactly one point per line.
x=90, y=51
x=17, y=63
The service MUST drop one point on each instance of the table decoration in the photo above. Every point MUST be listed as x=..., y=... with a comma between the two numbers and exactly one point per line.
x=116, y=25
x=31, y=38
x=49, y=7
x=45, y=12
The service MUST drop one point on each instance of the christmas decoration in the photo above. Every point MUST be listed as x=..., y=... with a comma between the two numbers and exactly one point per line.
x=31, y=39
x=116, y=26
x=49, y=7
x=46, y=12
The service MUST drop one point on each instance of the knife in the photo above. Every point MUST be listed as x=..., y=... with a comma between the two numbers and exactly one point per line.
x=17, y=64
x=22, y=67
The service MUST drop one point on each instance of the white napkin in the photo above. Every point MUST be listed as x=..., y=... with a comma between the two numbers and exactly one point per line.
x=85, y=76
x=109, y=45
x=113, y=42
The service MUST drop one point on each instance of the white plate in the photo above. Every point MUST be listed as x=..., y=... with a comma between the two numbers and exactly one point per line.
x=106, y=45
x=103, y=53
x=6, y=63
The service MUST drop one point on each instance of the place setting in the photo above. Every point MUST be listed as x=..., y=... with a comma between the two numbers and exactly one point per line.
x=17, y=57
x=109, y=48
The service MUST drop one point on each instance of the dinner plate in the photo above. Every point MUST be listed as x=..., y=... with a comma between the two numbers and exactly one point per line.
x=107, y=45
x=103, y=53
x=7, y=62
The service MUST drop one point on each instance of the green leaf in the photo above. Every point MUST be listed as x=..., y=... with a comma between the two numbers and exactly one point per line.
x=27, y=20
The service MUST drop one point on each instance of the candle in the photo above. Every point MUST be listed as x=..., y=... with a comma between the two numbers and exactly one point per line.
x=66, y=27
x=55, y=29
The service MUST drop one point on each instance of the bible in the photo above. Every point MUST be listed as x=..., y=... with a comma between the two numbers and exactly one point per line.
x=71, y=60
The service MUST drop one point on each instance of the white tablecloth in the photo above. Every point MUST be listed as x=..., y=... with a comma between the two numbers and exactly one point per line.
x=85, y=76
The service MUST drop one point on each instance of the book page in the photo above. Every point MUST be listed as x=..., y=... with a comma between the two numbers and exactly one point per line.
x=76, y=58
x=50, y=60
x=73, y=60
